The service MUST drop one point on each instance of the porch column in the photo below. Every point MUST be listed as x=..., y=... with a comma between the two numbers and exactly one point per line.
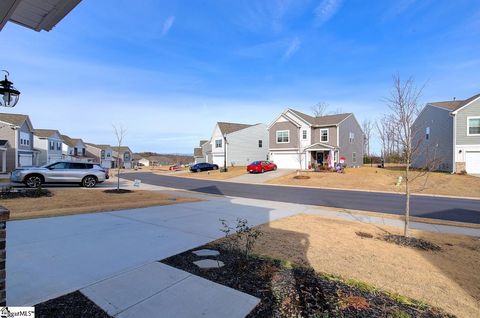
x=4, y=161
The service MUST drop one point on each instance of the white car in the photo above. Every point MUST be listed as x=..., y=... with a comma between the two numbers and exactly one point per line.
x=84, y=173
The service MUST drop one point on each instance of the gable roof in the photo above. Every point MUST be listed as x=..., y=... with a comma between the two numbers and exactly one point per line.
x=102, y=147
x=197, y=152
x=202, y=142
x=46, y=133
x=454, y=104
x=15, y=119
x=71, y=142
x=321, y=120
x=228, y=128
x=121, y=149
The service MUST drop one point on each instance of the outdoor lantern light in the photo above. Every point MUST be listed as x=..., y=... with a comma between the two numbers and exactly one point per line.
x=9, y=94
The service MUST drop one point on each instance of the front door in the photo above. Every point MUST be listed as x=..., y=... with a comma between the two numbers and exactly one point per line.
x=319, y=158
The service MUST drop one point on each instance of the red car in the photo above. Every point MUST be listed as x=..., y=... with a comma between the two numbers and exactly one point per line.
x=261, y=166
x=175, y=168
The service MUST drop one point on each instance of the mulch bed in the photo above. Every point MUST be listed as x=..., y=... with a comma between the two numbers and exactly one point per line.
x=119, y=191
x=411, y=242
x=301, y=177
x=73, y=305
x=291, y=291
x=9, y=193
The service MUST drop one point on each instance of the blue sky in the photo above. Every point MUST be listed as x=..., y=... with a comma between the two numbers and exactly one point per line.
x=168, y=70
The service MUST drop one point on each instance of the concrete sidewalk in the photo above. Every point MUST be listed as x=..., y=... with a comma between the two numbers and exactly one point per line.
x=159, y=290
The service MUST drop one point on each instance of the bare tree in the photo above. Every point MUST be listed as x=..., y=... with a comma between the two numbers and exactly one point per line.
x=320, y=109
x=381, y=126
x=403, y=103
x=120, y=132
x=367, y=127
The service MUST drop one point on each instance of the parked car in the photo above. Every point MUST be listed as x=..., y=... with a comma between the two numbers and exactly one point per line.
x=261, y=166
x=175, y=167
x=84, y=173
x=204, y=166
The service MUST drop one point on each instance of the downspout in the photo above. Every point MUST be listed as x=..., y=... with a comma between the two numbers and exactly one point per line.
x=454, y=160
x=15, y=129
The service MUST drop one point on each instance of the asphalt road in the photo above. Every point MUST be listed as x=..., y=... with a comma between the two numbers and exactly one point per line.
x=452, y=209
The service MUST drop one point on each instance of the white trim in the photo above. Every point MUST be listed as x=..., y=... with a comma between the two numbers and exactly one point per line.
x=468, y=125
x=454, y=157
x=292, y=111
x=284, y=113
x=282, y=142
x=457, y=110
x=283, y=149
x=328, y=134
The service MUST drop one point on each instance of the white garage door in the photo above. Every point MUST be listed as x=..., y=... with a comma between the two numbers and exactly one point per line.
x=25, y=160
x=285, y=160
x=472, y=162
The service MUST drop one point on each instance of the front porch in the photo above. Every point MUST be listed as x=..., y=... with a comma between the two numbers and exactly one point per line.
x=320, y=154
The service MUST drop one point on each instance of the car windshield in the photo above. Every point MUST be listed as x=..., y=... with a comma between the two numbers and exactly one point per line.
x=256, y=162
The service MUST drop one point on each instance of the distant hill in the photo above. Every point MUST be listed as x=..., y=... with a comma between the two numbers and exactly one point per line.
x=166, y=159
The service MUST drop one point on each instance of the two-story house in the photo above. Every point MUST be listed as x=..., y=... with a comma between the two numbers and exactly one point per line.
x=298, y=140
x=448, y=135
x=49, y=144
x=17, y=131
x=244, y=144
x=103, y=154
x=124, y=156
x=74, y=149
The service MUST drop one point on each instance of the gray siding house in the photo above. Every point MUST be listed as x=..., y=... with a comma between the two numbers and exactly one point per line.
x=298, y=140
x=449, y=136
x=17, y=130
x=49, y=144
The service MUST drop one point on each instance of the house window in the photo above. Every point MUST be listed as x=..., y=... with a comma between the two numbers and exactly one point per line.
x=83, y=152
x=75, y=152
x=52, y=145
x=427, y=133
x=59, y=146
x=351, y=138
x=283, y=136
x=304, y=134
x=473, y=128
x=218, y=143
x=108, y=155
x=324, y=135
x=260, y=143
x=102, y=154
x=354, y=157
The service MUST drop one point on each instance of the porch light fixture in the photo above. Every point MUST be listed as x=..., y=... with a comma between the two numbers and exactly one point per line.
x=10, y=95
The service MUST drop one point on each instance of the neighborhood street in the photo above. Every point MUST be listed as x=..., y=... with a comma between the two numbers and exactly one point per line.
x=451, y=209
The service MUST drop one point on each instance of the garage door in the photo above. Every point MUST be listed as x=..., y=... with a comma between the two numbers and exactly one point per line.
x=285, y=160
x=472, y=162
x=54, y=159
x=25, y=160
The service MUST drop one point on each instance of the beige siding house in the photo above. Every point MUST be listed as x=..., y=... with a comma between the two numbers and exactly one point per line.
x=298, y=140
x=449, y=135
x=49, y=144
x=17, y=131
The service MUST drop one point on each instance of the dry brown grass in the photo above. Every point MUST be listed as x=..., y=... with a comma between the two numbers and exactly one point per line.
x=375, y=179
x=77, y=201
x=216, y=174
x=448, y=279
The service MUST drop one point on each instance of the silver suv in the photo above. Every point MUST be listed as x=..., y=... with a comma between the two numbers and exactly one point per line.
x=84, y=173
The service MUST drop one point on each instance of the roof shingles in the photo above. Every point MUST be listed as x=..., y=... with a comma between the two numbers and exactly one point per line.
x=322, y=120
x=454, y=104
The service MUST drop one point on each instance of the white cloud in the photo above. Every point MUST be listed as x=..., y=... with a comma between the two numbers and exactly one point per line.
x=167, y=25
x=326, y=10
x=292, y=48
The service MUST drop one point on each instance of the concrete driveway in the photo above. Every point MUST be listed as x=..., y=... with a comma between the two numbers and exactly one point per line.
x=52, y=256
x=257, y=178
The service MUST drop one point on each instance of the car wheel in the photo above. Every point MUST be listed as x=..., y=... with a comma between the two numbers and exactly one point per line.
x=275, y=168
x=263, y=170
x=33, y=181
x=89, y=182
x=198, y=170
x=215, y=167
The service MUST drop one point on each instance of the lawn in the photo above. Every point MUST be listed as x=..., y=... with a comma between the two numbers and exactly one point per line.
x=447, y=279
x=216, y=174
x=76, y=201
x=375, y=179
